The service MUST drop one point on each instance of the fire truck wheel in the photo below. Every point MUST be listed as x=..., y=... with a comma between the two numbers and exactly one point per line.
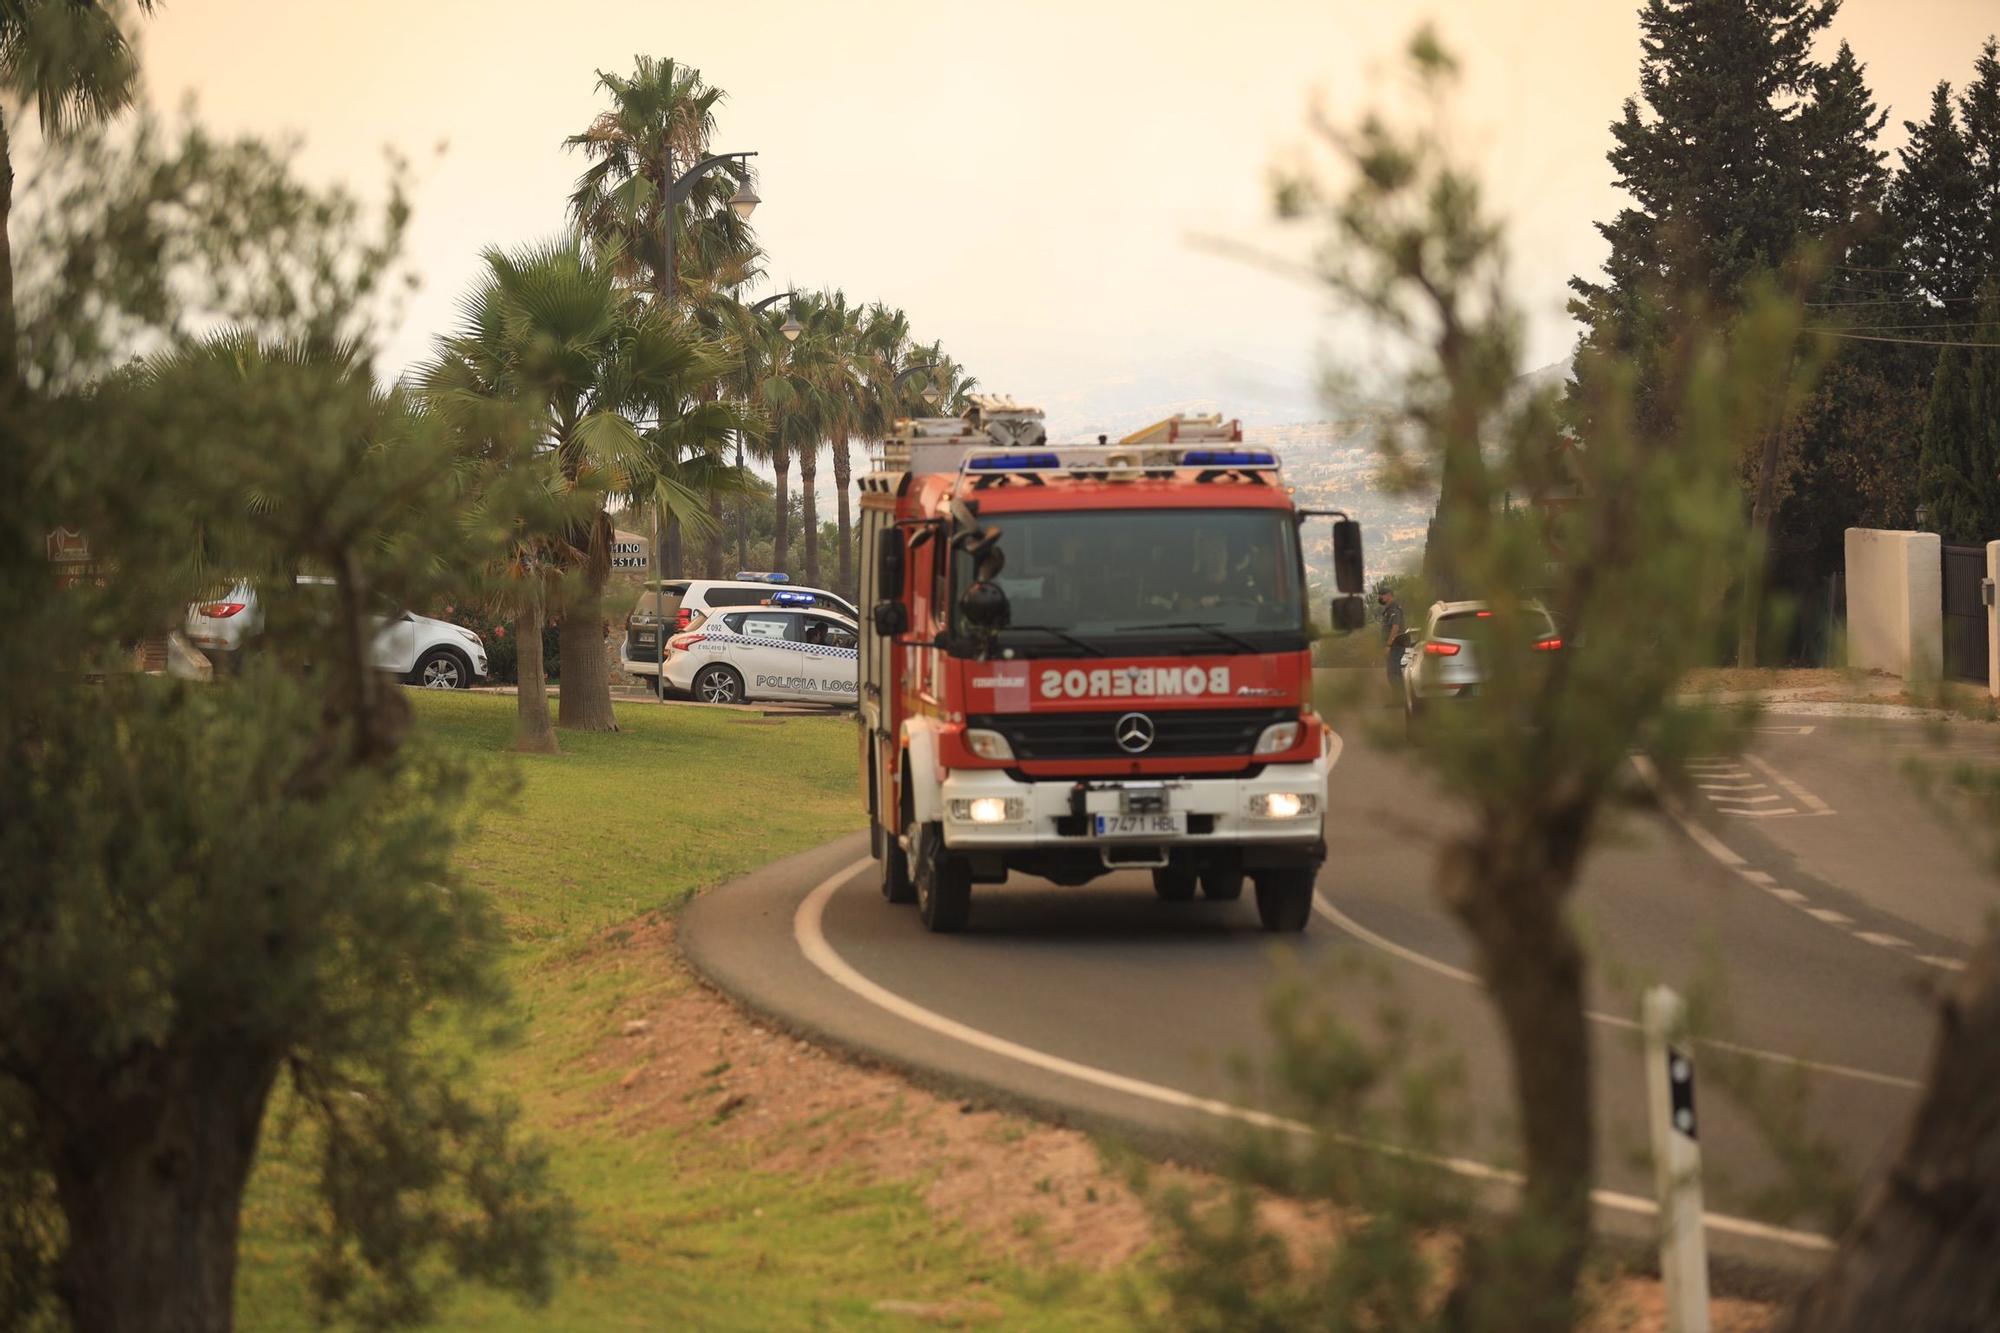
x=1174, y=884
x=1222, y=884
x=944, y=883
x=1285, y=898
x=897, y=886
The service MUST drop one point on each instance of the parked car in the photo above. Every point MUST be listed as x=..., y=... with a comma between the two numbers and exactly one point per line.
x=729, y=657
x=1442, y=660
x=671, y=605
x=422, y=651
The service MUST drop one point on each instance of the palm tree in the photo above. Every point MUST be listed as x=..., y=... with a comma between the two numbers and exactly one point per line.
x=882, y=341
x=658, y=125
x=549, y=326
x=71, y=60
x=821, y=404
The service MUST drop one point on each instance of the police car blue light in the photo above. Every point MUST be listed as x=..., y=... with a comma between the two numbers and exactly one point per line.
x=794, y=599
x=752, y=576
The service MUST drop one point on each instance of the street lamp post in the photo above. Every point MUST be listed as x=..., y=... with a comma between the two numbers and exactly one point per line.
x=743, y=203
x=908, y=376
x=790, y=328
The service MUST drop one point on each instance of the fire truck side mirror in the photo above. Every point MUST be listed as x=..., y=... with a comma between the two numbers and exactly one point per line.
x=1349, y=614
x=1347, y=556
x=984, y=606
x=890, y=618
x=889, y=563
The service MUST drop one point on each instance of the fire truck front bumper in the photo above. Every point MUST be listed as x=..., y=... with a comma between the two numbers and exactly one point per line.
x=1139, y=820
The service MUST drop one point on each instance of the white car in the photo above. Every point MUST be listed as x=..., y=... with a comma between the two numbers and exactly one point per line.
x=671, y=605
x=729, y=657
x=422, y=651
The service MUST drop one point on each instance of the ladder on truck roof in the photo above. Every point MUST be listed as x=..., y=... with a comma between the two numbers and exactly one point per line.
x=1180, y=428
x=937, y=444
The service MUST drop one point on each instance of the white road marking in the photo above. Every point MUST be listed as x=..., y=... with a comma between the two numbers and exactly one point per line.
x=1724, y=854
x=1798, y=793
x=1744, y=800
x=809, y=933
x=1443, y=969
x=1734, y=786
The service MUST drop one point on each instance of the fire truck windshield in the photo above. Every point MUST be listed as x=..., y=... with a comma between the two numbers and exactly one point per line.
x=1137, y=581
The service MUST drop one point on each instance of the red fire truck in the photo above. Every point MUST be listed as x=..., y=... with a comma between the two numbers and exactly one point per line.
x=1083, y=659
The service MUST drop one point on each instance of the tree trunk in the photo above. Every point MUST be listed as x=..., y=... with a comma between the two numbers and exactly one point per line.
x=1762, y=503
x=676, y=564
x=781, y=532
x=1524, y=1276
x=711, y=547
x=585, y=701
x=1925, y=1250
x=9, y=342
x=151, y=1187
x=843, y=477
x=534, y=730
x=809, y=503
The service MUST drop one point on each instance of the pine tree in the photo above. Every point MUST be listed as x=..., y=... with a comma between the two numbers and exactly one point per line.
x=1944, y=485
x=1842, y=178
x=1936, y=203
x=1979, y=110
x=1713, y=164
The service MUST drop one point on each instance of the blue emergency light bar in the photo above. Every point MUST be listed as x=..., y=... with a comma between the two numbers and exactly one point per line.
x=751, y=576
x=792, y=599
x=1228, y=458
x=1012, y=462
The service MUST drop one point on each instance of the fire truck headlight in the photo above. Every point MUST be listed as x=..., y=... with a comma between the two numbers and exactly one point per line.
x=1278, y=737
x=988, y=744
x=1284, y=805
x=988, y=809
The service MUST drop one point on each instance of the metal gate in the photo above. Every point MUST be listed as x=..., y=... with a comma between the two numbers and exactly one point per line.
x=1964, y=613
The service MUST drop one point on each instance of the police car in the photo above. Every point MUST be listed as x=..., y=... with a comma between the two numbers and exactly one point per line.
x=666, y=607
x=766, y=652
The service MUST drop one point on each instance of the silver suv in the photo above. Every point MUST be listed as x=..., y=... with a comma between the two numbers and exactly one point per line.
x=1442, y=661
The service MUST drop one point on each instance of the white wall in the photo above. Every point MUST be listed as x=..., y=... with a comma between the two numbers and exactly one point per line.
x=1993, y=621
x=1895, y=602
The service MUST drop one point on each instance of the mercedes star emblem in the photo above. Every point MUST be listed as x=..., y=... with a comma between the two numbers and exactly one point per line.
x=1134, y=733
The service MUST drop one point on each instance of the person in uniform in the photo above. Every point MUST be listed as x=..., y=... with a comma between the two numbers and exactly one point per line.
x=1394, y=631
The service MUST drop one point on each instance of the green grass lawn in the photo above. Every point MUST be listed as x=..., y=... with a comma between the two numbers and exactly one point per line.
x=572, y=847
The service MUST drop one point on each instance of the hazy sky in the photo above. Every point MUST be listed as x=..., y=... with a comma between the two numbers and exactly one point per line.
x=1028, y=179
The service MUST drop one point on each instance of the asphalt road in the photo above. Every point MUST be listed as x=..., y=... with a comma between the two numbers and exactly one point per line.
x=1827, y=918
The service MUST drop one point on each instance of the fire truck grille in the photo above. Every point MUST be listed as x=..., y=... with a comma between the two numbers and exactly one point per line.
x=1180, y=733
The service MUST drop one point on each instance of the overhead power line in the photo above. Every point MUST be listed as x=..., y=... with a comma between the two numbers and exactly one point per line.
x=1907, y=342
x=1912, y=299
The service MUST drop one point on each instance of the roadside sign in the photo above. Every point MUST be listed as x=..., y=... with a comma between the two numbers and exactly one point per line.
x=630, y=552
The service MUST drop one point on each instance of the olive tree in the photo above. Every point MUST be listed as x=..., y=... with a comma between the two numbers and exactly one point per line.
x=214, y=896
x=1629, y=537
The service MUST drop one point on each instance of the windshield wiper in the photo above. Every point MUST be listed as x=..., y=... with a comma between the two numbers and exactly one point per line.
x=1243, y=644
x=1064, y=635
